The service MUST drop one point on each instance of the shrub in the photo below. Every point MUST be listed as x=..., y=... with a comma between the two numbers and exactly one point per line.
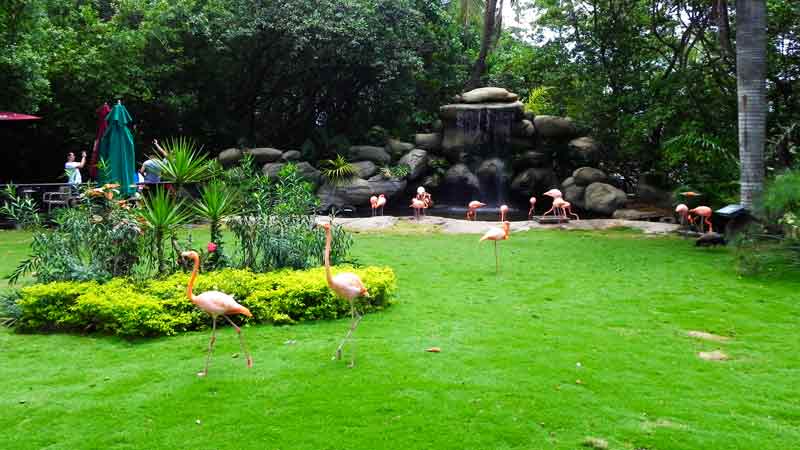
x=160, y=307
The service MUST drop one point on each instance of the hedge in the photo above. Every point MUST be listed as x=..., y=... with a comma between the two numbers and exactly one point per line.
x=160, y=307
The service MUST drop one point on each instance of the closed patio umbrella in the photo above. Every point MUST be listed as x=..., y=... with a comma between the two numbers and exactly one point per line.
x=116, y=149
x=102, y=112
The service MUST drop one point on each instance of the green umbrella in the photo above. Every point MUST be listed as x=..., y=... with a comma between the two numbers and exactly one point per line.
x=116, y=149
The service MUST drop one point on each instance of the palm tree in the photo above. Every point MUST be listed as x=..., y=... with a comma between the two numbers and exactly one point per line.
x=751, y=68
x=492, y=25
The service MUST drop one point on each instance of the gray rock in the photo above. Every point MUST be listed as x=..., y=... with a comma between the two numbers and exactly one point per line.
x=575, y=194
x=534, y=181
x=555, y=127
x=635, y=214
x=271, y=169
x=417, y=161
x=432, y=182
x=584, y=150
x=291, y=155
x=230, y=157
x=428, y=141
x=655, y=196
x=585, y=176
x=532, y=158
x=523, y=128
x=397, y=148
x=569, y=181
x=309, y=172
x=357, y=193
x=452, y=111
x=521, y=145
x=265, y=155
x=487, y=95
x=603, y=198
x=369, y=153
x=365, y=169
x=494, y=171
x=457, y=139
x=459, y=175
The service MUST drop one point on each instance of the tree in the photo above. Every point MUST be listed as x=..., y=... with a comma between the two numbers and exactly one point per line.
x=492, y=24
x=751, y=69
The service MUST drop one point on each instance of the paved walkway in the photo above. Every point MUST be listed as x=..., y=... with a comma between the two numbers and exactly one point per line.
x=468, y=227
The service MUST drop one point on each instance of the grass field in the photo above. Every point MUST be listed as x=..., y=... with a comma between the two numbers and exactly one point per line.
x=581, y=335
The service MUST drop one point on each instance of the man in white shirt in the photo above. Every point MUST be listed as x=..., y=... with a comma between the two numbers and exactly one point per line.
x=73, y=169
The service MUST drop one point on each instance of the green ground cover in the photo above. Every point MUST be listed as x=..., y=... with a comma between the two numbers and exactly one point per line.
x=582, y=334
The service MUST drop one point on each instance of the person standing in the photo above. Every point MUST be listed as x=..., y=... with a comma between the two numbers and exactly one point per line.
x=151, y=169
x=73, y=169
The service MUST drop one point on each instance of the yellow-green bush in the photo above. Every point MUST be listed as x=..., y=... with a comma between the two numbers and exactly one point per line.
x=161, y=307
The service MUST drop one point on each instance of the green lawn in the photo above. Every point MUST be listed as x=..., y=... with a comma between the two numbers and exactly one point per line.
x=508, y=375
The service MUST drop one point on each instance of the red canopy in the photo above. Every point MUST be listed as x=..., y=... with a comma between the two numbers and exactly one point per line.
x=4, y=115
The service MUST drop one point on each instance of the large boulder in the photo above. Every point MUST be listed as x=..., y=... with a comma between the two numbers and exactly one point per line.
x=265, y=155
x=291, y=155
x=584, y=150
x=365, y=169
x=575, y=194
x=428, y=141
x=555, y=127
x=487, y=95
x=534, y=181
x=432, y=182
x=396, y=148
x=524, y=128
x=520, y=144
x=369, y=153
x=493, y=171
x=451, y=112
x=459, y=175
x=457, y=139
x=653, y=195
x=230, y=157
x=271, y=169
x=357, y=193
x=603, y=198
x=533, y=158
x=417, y=161
x=585, y=176
x=309, y=172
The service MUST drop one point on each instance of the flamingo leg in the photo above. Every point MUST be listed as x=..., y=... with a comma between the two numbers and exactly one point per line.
x=710, y=226
x=530, y=213
x=496, y=260
x=356, y=318
x=549, y=211
x=210, y=346
x=242, y=345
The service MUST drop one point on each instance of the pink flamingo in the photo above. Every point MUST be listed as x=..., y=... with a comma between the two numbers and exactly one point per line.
x=503, y=212
x=496, y=234
x=554, y=194
x=346, y=285
x=533, y=205
x=472, y=209
x=216, y=304
x=425, y=198
x=418, y=206
x=373, y=203
x=683, y=211
x=381, y=202
x=705, y=212
x=566, y=208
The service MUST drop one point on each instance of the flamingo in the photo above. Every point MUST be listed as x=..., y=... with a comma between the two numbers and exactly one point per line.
x=566, y=208
x=533, y=205
x=683, y=211
x=373, y=203
x=381, y=202
x=503, y=212
x=216, y=304
x=554, y=194
x=472, y=209
x=425, y=198
x=705, y=212
x=418, y=206
x=346, y=285
x=497, y=234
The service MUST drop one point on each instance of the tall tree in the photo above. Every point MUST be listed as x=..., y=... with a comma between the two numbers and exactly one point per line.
x=492, y=22
x=751, y=69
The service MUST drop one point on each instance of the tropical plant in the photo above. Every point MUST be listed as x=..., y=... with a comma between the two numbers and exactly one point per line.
x=185, y=163
x=162, y=213
x=539, y=101
x=699, y=161
x=22, y=210
x=214, y=205
x=398, y=171
x=338, y=171
x=782, y=199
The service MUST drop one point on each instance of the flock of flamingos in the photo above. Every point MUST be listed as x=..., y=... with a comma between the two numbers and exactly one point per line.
x=349, y=286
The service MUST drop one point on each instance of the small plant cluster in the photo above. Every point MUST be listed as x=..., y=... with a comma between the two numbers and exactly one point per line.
x=160, y=307
x=20, y=210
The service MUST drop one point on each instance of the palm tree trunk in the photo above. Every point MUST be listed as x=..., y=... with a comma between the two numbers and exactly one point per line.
x=486, y=42
x=751, y=68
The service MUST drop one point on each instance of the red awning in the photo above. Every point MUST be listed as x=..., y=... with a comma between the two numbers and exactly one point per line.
x=4, y=115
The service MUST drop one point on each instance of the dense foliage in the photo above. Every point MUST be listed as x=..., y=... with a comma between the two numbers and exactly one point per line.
x=160, y=307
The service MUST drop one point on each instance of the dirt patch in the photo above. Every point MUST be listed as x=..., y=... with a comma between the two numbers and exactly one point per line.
x=716, y=355
x=707, y=336
x=650, y=425
x=593, y=442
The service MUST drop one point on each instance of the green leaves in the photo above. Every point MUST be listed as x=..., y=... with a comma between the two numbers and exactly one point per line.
x=185, y=163
x=215, y=202
x=161, y=211
x=338, y=172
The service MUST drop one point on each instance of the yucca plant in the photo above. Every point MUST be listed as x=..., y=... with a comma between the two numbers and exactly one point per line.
x=162, y=213
x=216, y=202
x=186, y=163
x=338, y=171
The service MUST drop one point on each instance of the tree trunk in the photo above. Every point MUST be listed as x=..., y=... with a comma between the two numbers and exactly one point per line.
x=486, y=42
x=751, y=68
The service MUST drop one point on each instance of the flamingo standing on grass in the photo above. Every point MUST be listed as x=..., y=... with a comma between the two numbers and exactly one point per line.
x=533, y=205
x=503, y=212
x=216, y=304
x=373, y=203
x=497, y=234
x=472, y=209
x=381, y=202
x=705, y=212
x=346, y=285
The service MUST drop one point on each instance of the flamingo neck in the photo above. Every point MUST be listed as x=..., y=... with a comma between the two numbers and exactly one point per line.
x=196, y=268
x=327, y=257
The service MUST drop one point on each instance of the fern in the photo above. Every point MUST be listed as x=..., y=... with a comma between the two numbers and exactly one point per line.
x=539, y=100
x=338, y=171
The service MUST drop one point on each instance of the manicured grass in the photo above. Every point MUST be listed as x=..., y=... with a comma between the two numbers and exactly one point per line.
x=507, y=377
